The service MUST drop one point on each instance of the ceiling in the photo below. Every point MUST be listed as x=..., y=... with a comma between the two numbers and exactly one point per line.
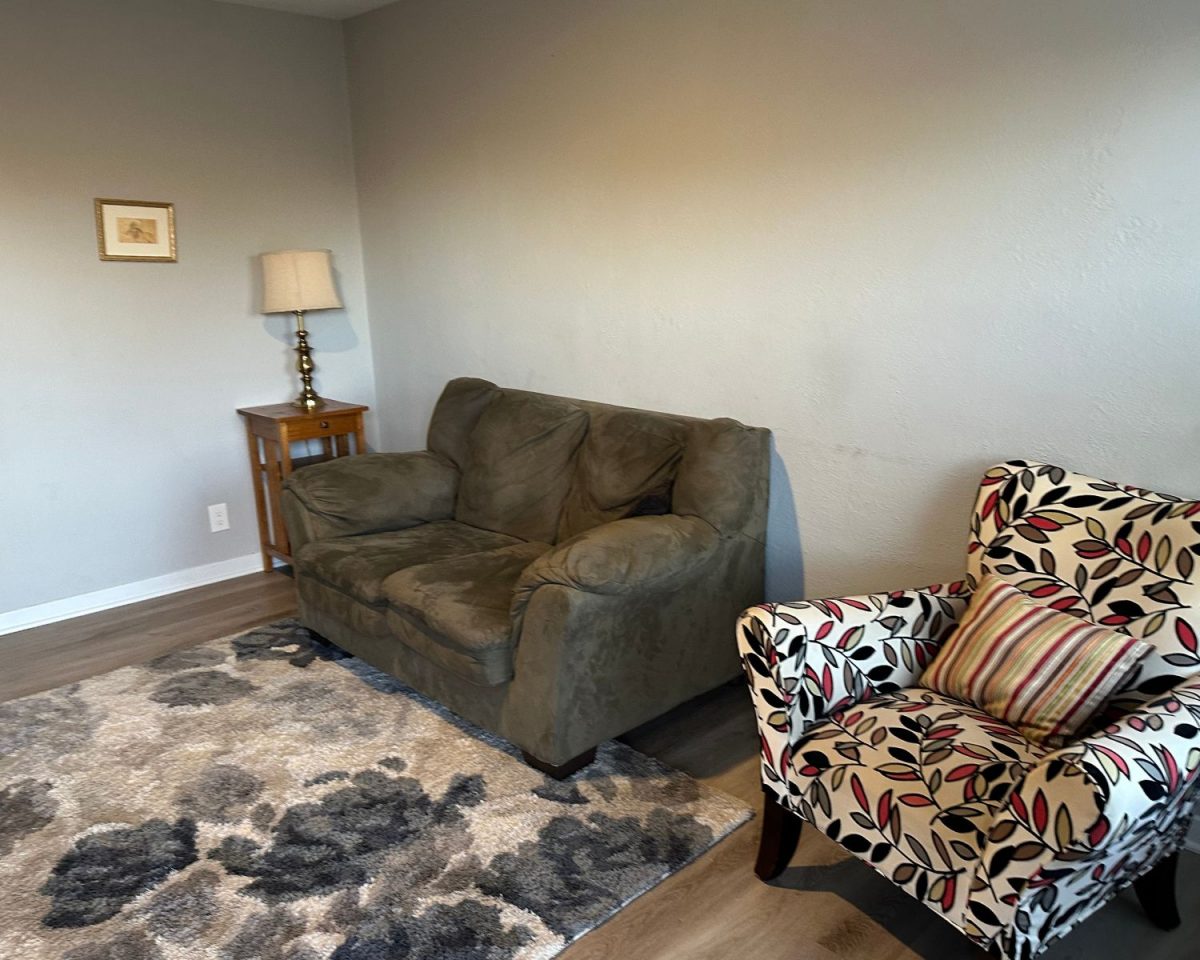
x=330, y=9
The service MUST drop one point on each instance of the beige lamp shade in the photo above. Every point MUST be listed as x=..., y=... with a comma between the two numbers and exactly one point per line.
x=298, y=280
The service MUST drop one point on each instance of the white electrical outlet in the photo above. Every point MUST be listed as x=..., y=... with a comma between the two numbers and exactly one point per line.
x=218, y=517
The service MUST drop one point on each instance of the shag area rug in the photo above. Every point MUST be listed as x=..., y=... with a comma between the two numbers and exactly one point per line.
x=269, y=797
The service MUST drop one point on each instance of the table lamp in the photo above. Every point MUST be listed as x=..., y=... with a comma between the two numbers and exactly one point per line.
x=296, y=281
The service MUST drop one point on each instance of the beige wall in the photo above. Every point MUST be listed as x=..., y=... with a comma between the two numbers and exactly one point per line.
x=911, y=238
x=120, y=379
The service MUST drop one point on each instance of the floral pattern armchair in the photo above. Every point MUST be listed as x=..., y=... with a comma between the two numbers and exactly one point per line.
x=1010, y=841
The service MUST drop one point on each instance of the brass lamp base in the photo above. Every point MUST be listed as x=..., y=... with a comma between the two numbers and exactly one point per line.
x=308, y=399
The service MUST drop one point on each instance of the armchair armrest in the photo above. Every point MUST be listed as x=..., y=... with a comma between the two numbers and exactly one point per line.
x=635, y=555
x=807, y=660
x=1090, y=817
x=367, y=494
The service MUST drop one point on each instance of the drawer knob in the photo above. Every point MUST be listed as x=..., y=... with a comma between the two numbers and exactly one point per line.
x=324, y=424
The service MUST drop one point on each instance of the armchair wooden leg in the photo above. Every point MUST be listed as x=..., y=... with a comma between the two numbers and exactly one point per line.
x=780, y=834
x=1156, y=891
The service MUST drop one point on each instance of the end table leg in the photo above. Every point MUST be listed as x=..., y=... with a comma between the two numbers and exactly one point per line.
x=277, y=472
x=360, y=445
x=260, y=500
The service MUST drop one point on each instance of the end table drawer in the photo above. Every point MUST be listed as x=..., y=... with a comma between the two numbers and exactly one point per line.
x=318, y=426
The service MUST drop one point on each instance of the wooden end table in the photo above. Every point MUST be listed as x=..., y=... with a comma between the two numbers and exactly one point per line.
x=270, y=432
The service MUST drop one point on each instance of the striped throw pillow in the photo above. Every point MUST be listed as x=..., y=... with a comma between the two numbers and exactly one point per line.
x=1042, y=671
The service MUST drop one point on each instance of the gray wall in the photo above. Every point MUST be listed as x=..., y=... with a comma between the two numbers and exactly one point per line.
x=121, y=379
x=911, y=238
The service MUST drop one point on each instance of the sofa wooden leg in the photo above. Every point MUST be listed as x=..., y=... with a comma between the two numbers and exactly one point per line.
x=563, y=770
x=780, y=834
x=1156, y=891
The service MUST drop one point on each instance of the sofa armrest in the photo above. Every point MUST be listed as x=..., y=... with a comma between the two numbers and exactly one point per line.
x=807, y=660
x=592, y=665
x=635, y=555
x=1091, y=816
x=368, y=494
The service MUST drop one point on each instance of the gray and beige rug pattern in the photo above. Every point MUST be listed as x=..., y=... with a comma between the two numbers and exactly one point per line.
x=270, y=797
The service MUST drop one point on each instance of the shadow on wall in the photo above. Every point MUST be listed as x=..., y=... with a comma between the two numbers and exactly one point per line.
x=785, y=561
x=934, y=526
x=943, y=525
x=329, y=330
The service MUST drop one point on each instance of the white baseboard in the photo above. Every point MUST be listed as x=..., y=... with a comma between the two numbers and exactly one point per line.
x=68, y=607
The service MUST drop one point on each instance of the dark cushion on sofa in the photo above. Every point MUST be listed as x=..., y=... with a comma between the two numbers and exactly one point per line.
x=519, y=465
x=461, y=606
x=357, y=566
x=628, y=459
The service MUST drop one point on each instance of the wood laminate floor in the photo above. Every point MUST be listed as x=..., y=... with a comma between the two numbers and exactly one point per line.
x=826, y=905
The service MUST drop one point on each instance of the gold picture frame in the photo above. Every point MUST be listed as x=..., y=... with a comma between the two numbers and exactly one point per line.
x=141, y=230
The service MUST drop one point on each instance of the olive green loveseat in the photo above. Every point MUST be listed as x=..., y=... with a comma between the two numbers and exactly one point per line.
x=553, y=570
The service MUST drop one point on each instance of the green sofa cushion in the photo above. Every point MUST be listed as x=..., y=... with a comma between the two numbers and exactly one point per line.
x=712, y=484
x=628, y=455
x=461, y=607
x=454, y=417
x=519, y=463
x=358, y=566
x=375, y=491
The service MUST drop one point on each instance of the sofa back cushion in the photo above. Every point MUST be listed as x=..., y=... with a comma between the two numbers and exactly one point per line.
x=724, y=477
x=519, y=462
x=455, y=415
x=626, y=466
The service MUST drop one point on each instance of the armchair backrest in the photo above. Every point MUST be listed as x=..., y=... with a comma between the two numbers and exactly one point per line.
x=548, y=468
x=1117, y=555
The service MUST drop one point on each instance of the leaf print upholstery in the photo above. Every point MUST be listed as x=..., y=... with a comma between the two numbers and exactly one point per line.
x=1080, y=806
x=912, y=781
x=806, y=660
x=1012, y=842
x=1119, y=556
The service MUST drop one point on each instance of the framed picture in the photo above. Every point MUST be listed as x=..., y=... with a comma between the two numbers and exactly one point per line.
x=135, y=230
